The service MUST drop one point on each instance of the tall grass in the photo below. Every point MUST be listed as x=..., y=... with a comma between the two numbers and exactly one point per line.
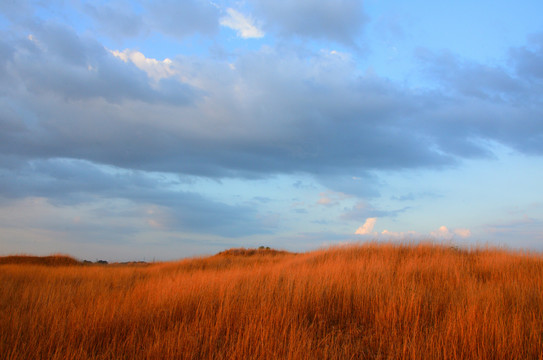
x=358, y=302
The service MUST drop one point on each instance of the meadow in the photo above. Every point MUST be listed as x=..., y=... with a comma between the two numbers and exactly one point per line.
x=364, y=301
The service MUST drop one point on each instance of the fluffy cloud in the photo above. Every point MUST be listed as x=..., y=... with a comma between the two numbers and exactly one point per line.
x=441, y=234
x=367, y=228
x=463, y=233
x=154, y=68
x=245, y=26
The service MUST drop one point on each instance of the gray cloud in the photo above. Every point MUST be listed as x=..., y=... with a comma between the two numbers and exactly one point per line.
x=183, y=18
x=490, y=103
x=72, y=182
x=362, y=210
x=55, y=60
x=275, y=112
x=469, y=78
x=288, y=115
x=341, y=21
x=15, y=10
x=117, y=20
x=528, y=60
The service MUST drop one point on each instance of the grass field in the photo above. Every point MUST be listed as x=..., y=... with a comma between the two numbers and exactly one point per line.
x=372, y=301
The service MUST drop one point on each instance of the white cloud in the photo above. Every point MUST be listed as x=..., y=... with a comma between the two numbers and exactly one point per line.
x=443, y=233
x=367, y=228
x=154, y=68
x=463, y=233
x=244, y=25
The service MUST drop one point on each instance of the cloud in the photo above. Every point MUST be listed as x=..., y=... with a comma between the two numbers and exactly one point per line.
x=336, y=20
x=441, y=234
x=55, y=61
x=528, y=60
x=78, y=183
x=245, y=26
x=362, y=210
x=182, y=18
x=154, y=68
x=331, y=198
x=480, y=101
x=367, y=228
x=258, y=113
x=275, y=112
x=16, y=10
x=470, y=78
x=463, y=233
x=415, y=196
x=116, y=19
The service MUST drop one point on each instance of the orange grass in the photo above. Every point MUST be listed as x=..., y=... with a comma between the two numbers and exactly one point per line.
x=356, y=302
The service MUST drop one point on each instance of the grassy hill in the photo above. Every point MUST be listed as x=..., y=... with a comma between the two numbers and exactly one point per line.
x=52, y=260
x=363, y=302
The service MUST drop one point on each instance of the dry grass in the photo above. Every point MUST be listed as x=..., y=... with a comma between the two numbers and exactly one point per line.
x=52, y=260
x=359, y=302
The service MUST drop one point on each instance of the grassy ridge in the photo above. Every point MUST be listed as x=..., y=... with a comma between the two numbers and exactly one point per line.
x=51, y=260
x=369, y=301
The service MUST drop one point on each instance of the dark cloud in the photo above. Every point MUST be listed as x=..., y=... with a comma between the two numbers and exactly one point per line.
x=274, y=112
x=311, y=117
x=72, y=182
x=6, y=55
x=340, y=21
x=55, y=60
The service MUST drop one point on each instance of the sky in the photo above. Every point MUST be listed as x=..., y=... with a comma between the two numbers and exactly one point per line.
x=158, y=130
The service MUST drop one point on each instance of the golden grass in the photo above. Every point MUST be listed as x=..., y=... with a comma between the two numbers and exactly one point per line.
x=51, y=260
x=357, y=302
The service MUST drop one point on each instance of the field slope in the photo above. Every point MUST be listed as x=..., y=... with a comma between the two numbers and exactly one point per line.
x=373, y=301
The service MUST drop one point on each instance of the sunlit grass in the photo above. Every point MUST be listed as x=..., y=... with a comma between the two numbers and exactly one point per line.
x=363, y=302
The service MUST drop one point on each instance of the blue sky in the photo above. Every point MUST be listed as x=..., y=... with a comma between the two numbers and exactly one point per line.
x=139, y=130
